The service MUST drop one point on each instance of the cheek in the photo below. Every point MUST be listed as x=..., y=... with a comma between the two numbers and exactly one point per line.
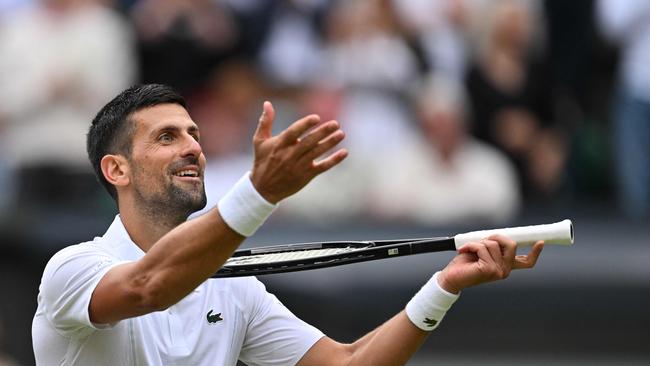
x=144, y=170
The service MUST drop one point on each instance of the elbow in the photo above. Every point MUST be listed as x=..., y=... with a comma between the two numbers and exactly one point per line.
x=152, y=300
x=149, y=295
x=346, y=354
x=349, y=355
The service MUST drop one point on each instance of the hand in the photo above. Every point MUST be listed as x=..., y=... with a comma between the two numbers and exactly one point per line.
x=488, y=260
x=285, y=163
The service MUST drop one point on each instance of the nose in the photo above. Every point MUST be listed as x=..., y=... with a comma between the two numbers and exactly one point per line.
x=191, y=147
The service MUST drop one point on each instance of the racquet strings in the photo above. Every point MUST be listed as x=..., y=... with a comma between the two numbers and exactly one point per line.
x=286, y=256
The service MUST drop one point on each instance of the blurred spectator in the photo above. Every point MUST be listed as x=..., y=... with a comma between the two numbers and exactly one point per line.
x=61, y=60
x=338, y=196
x=369, y=60
x=367, y=66
x=7, y=184
x=440, y=28
x=444, y=175
x=512, y=97
x=254, y=20
x=582, y=65
x=226, y=112
x=181, y=41
x=8, y=7
x=291, y=53
x=5, y=359
x=571, y=53
x=365, y=48
x=439, y=176
x=628, y=24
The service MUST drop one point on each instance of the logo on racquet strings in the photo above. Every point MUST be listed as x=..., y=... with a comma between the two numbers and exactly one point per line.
x=214, y=318
x=430, y=322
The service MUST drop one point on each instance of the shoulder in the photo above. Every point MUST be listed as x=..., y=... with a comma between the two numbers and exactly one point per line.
x=74, y=263
x=89, y=251
x=68, y=281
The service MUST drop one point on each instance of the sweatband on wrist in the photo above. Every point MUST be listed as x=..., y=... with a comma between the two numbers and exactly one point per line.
x=243, y=208
x=429, y=305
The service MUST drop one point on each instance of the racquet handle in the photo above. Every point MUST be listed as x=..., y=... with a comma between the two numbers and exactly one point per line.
x=557, y=233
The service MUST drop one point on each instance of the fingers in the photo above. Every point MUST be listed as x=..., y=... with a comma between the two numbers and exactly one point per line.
x=488, y=260
x=265, y=125
x=529, y=260
x=497, y=254
x=298, y=134
x=500, y=268
x=315, y=143
x=321, y=147
x=486, y=264
x=508, y=249
x=315, y=137
x=300, y=127
x=331, y=161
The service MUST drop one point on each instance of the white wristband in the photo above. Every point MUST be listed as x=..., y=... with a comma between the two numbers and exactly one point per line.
x=427, y=308
x=243, y=208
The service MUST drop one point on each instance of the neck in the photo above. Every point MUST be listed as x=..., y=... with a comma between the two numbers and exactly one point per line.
x=146, y=225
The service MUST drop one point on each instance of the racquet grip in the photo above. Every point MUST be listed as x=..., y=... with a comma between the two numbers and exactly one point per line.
x=557, y=233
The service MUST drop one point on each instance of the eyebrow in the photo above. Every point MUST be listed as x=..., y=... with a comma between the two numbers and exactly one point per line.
x=173, y=128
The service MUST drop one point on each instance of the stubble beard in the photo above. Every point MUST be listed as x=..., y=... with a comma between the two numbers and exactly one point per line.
x=172, y=205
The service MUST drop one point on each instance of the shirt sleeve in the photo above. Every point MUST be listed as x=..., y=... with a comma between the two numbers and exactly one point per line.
x=275, y=336
x=69, y=280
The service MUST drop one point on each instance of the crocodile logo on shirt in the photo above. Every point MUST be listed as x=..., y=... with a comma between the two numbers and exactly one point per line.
x=214, y=318
x=430, y=322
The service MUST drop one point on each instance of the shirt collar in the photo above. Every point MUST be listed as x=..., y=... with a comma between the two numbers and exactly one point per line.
x=119, y=241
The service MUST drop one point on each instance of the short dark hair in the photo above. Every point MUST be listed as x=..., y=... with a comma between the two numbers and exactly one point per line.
x=111, y=131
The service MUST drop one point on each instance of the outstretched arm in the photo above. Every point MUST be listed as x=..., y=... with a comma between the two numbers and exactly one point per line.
x=394, y=342
x=190, y=253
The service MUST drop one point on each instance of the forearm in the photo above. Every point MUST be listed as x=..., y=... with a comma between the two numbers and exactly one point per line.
x=398, y=339
x=393, y=343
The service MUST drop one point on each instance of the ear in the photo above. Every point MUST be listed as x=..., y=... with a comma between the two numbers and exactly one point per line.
x=116, y=170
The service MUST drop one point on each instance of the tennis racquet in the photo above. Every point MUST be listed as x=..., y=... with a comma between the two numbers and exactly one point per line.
x=306, y=256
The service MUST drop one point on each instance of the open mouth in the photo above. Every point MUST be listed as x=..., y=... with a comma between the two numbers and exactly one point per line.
x=188, y=173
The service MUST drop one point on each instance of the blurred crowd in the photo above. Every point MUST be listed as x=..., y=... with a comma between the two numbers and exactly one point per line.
x=455, y=110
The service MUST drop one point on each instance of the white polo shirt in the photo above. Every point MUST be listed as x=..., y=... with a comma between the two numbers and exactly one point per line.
x=221, y=321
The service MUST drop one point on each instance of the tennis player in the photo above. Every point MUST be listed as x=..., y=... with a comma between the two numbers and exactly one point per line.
x=138, y=295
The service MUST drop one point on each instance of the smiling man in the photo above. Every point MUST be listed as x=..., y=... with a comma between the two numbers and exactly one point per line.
x=140, y=294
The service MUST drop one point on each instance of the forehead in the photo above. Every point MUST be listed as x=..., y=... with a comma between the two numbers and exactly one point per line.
x=161, y=116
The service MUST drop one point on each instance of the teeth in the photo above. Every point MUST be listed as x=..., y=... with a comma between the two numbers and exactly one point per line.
x=187, y=173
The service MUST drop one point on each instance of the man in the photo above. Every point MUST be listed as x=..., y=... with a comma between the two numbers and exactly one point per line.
x=139, y=295
x=450, y=166
x=625, y=23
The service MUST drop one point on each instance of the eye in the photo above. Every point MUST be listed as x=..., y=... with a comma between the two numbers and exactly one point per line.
x=165, y=138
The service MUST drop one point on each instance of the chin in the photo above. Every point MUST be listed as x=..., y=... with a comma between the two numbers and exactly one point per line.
x=200, y=205
x=196, y=202
x=187, y=200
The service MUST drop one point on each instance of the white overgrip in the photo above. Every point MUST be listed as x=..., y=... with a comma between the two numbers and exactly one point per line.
x=560, y=233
